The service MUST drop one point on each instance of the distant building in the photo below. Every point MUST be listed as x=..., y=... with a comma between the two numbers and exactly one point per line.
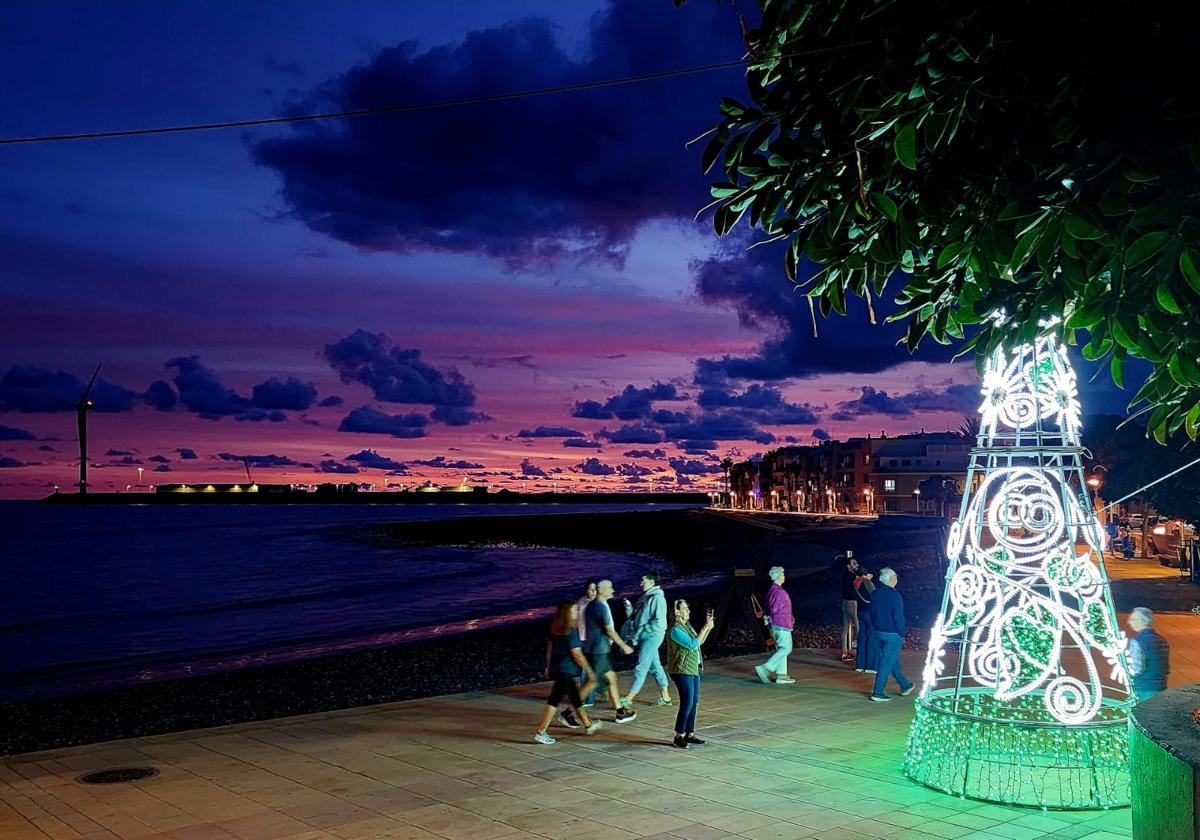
x=922, y=473
x=224, y=488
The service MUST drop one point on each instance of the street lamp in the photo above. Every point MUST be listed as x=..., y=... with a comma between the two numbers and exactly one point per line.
x=917, y=496
x=774, y=506
x=869, y=493
x=140, y=471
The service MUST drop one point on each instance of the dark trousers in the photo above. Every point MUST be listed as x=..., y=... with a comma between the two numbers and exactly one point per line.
x=867, y=656
x=689, y=700
x=888, y=645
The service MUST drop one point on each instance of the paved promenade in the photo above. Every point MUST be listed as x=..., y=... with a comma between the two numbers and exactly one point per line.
x=811, y=760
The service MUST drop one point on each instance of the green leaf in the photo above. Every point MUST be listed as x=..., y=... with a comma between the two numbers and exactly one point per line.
x=1144, y=247
x=731, y=107
x=1167, y=300
x=885, y=206
x=950, y=253
x=712, y=151
x=1139, y=177
x=906, y=147
x=1116, y=366
x=1187, y=264
x=1081, y=228
x=1176, y=371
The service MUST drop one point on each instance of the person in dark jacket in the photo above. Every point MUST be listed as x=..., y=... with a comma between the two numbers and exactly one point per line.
x=852, y=578
x=887, y=616
x=866, y=659
x=1149, y=655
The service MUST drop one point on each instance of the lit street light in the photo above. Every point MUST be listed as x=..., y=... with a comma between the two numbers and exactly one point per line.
x=140, y=471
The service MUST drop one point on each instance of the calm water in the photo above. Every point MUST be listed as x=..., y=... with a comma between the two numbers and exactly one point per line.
x=104, y=596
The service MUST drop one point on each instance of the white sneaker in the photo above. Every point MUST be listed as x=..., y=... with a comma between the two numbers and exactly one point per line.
x=543, y=738
x=783, y=679
x=763, y=676
x=593, y=729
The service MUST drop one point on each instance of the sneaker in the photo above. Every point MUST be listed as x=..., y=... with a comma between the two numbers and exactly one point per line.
x=868, y=670
x=588, y=705
x=543, y=738
x=880, y=698
x=784, y=679
x=663, y=701
x=858, y=670
x=593, y=728
x=908, y=690
x=626, y=703
x=846, y=656
x=568, y=720
x=692, y=739
x=680, y=741
x=763, y=676
x=625, y=716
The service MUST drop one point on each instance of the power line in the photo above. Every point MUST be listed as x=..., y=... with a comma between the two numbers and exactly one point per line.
x=417, y=106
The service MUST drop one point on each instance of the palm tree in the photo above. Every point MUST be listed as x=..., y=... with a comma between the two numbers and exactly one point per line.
x=968, y=429
x=727, y=465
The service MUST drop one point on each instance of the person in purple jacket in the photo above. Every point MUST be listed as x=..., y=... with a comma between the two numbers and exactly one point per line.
x=779, y=611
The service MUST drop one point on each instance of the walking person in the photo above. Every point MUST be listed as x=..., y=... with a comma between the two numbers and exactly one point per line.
x=852, y=578
x=589, y=595
x=866, y=659
x=647, y=628
x=1149, y=655
x=564, y=660
x=779, y=613
x=887, y=616
x=598, y=647
x=685, y=664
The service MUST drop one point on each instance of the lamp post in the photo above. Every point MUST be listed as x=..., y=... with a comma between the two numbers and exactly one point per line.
x=870, y=496
x=774, y=503
x=829, y=497
x=917, y=496
x=140, y=471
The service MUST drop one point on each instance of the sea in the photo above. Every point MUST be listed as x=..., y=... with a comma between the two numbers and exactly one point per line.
x=98, y=597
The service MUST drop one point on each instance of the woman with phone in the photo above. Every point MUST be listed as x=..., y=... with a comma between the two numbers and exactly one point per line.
x=684, y=664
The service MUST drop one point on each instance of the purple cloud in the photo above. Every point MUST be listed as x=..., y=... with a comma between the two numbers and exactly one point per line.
x=372, y=421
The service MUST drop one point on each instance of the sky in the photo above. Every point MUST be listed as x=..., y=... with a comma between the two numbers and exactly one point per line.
x=520, y=294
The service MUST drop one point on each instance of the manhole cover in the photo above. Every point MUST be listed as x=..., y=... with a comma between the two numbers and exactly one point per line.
x=113, y=777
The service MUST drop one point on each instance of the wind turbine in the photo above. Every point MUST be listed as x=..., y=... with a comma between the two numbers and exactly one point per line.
x=81, y=409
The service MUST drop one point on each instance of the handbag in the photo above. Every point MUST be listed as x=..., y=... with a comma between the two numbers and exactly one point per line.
x=761, y=616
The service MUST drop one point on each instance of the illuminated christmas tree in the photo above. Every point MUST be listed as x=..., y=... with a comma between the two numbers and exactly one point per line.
x=1025, y=696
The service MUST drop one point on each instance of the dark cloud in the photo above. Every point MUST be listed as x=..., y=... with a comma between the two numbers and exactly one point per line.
x=532, y=469
x=498, y=361
x=201, y=392
x=656, y=454
x=372, y=421
x=593, y=466
x=13, y=433
x=753, y=283
x=440, y=463
x=634, y=479
x=161, y=396
x=34, y=390
x=292, y=395
x=45, y=447
x=663, y=417
x=398, y=375
x=871, y=401
x=7, y=463
x=631, y=404
x=633, y=469
x=159, y=459
x=762, y=404
x=683, y=466
x=718, y=425
x=259, y=460
x=552, y=180
x=187, y=454
x=581, y=443
x=116, y=453
x=330, y=466
x=331, y=402
x=633, y=433
x=820, y=434
x=371, y=459
x=162, y=468
x=127, y=461
x=549, y=432
x=694, y=447
x=957, y=398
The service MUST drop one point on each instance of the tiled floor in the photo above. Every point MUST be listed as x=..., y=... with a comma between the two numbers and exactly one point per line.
x=812, y=760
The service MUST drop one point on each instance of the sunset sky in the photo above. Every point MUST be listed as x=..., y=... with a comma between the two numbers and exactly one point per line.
x=510, y=292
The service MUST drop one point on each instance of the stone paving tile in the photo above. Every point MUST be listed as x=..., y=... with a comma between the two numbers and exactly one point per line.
x=813, y=760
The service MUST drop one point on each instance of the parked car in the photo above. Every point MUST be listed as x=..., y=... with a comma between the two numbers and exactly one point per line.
x=1136, y=521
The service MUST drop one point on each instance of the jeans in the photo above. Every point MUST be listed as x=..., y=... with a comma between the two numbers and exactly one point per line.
x=849, y=624
x=689, y=700
x=647, y=663
x=888, y=645
x=777, y=664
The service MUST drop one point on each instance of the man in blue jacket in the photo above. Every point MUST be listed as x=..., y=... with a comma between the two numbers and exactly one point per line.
x=1149, y=655
x=887, y=614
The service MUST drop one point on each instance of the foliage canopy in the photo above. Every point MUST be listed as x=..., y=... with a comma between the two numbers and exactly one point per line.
x=1034, y=159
